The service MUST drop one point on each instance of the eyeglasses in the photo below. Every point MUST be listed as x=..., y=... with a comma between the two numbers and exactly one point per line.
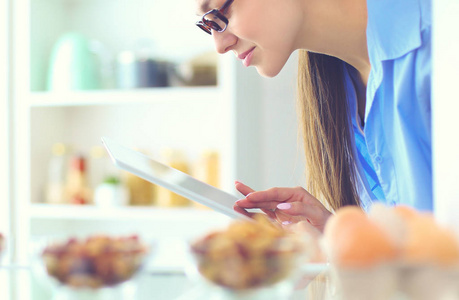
x=214, y=19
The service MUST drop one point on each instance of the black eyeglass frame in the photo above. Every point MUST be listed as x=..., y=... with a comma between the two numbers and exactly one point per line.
x=208, y=25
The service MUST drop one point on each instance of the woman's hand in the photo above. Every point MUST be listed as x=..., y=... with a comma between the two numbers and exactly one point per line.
x=286, y=205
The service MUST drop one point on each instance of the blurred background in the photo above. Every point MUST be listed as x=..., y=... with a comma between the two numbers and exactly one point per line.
x=141, y=73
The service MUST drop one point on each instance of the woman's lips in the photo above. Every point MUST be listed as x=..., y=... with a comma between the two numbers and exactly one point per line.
x=246, y=57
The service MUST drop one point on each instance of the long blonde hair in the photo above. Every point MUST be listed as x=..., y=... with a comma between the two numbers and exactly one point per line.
x=325, y=125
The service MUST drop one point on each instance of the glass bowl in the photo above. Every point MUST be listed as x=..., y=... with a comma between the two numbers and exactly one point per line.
x=247, y=261
x=80, y=268
x=428, y=281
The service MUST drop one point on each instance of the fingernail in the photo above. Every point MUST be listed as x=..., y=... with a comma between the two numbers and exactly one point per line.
x=286, y=223
x=248, y=195
x=284, y=206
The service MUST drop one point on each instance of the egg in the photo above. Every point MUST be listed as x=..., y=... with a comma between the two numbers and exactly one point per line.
x=405, y=212
x=353, y=240
x=390, y=221
x=429, y=243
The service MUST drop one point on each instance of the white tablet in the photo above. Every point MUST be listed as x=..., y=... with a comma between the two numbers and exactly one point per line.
x=171, y=179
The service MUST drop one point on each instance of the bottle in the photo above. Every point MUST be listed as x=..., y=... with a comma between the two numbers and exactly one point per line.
x=207, y=170
x=57, y=168
x=141, y=192
x=77, y=190
x=175, y=159
x=100, y=167
x=111, y=193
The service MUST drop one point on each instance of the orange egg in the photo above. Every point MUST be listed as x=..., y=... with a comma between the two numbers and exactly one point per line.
x=354, y=241
x=390, y=221
x=429, y=243
x=406, y=212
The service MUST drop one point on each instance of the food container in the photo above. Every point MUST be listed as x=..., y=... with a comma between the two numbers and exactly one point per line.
x=96, y=266
x=200, y=70
x=391, y=253
x=248, y=260
x=111, y=193
x=73, y=64
x=176, y=159
x=139, y=71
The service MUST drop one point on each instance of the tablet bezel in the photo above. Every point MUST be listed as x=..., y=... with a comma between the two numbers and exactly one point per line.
x=172, y=179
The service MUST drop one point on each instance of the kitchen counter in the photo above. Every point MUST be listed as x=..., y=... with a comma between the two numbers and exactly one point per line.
x=22, y=283
x=164, y=278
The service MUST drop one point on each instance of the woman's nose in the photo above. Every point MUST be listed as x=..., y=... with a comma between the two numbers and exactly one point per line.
x=223, y=41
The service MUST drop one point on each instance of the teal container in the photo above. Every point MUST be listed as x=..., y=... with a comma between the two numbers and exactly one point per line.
x=73, y=66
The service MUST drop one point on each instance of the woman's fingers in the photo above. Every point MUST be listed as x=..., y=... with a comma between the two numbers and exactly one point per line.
x=305, y=227
x=269, y=213
x=244, y=203
x=286, y=205
x=269, y=199
x=243, y=211
x=281, y=195
x=316, y=214
x=243, y=189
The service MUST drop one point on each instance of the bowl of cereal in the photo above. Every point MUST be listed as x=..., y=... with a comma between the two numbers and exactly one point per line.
x=94, y=262
x=247, y=256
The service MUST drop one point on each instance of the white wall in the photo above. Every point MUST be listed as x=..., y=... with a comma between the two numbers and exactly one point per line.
x=445, y=109
x=279, y=156
x=4, y=145
x=4, y=119
x=283, y=157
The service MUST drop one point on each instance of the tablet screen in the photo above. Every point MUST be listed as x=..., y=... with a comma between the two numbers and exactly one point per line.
x=172, y=179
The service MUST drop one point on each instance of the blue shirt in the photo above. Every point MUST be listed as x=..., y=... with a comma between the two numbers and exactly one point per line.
x=393, y=149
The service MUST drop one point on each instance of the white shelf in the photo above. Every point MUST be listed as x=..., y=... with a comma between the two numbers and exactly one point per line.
x=225, y=117
x=90, y=212
x=151, y=223
x=134, y=96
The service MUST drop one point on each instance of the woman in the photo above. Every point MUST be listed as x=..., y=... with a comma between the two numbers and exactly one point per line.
x=364, y=97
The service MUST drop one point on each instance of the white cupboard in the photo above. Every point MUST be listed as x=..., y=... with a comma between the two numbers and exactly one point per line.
x=256, y=140
x=240, y=117
x=224, y=117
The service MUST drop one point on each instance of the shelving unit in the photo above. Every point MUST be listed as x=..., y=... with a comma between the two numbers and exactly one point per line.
x=152, y=223
x=224, y=117
x=228, y=117
x=130, y=213
x=135, y=96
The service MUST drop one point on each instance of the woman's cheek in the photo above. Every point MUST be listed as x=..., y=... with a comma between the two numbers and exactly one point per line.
x=248, y=31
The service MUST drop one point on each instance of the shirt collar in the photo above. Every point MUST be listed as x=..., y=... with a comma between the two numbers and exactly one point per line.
x=393, y=29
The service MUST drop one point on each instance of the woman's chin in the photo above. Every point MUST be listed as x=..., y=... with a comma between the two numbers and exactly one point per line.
x=268, y=72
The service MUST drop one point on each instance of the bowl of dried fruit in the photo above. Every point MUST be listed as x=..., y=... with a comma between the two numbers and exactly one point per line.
x=248, y=259
x=97, y=262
